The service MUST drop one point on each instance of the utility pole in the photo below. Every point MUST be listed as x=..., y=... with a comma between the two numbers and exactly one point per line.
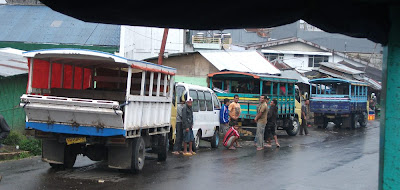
x=162, y=49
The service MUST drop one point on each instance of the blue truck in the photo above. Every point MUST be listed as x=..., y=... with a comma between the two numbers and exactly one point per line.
x=343, y=102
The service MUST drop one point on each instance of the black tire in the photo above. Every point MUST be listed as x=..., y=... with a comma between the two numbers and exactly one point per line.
x=162, y=148
x=69, y=156
x=138, y=154
x=215, y=140
x=325, y=125
x=338, y=123
x=197, y=139
x=354, y=121
x=364, y=120
x=56, y=166
x=295, y=127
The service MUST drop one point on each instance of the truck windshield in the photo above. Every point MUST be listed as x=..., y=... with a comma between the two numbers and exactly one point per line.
x=330, y=89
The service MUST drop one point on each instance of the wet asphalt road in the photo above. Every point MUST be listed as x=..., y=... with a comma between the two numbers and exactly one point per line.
x=328, y=159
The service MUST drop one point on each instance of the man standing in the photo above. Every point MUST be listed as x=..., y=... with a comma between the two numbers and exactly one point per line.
x=4, y=129
x=234, y=110
x=187, y=124
x=261, y=120
x=304, y=114
x=224, y=116
x=271, y=125
x=178, y=128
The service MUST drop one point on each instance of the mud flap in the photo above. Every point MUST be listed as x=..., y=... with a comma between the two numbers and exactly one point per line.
x=120, y=157
x=52, y=151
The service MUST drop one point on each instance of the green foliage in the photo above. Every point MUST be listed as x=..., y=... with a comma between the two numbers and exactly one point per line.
x=34, y=146
x=14, y=138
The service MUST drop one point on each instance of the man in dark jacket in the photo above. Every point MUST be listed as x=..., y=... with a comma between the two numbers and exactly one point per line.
x=4, y=129
x=271, y=124
x=187, y=124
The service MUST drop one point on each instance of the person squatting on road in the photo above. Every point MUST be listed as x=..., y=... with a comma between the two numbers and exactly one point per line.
x=179, y=128
x=187, y=123
x=261, y=120
x=271, y=124
x=4, y=129
x=304, y=114
x=224, y=116
x=231, y=137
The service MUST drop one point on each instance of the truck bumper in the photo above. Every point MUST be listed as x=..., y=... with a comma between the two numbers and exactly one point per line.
x=76, y=130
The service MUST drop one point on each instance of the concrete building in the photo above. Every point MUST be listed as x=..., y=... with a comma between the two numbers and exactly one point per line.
x=193, y=67
x=145, y=42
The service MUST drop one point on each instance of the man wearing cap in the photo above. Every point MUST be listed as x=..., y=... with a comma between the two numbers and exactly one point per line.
x=187, y=124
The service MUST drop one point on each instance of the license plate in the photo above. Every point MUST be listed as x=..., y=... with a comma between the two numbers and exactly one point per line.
x=75, y=140
x=330, y=117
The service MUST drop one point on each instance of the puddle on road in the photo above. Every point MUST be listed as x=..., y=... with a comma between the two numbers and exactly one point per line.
x=93, y=171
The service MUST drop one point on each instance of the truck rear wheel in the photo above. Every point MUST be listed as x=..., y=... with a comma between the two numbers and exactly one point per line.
x=138, y=154
x=69, y=156
x=294, y=128
x=162, y=148
x=354, y=121
x=364, y=120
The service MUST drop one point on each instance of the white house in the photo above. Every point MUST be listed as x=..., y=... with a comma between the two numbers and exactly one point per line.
x=301, y=54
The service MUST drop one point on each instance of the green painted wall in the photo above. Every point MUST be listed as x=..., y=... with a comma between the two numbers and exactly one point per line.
x=31, y=46
x=201, y=81
x=389, y=156
x=11, y=89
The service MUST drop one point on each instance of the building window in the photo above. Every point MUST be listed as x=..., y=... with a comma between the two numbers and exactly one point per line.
x=298, y=55
x=273, y=56
x=314, y=60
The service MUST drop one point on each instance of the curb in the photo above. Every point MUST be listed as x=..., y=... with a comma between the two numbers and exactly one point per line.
x=10, y=155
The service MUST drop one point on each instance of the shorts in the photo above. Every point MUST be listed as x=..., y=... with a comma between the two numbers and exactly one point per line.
x=233, y=122
x=230, y=141
x=269, y=131
x=188, y=136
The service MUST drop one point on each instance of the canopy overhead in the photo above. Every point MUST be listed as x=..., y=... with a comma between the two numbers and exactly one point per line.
x=356, y=18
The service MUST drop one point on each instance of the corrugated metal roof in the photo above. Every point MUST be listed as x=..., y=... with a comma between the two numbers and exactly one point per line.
x=243, y=61
x=294, y=75
x=341, y=68
x=40, y=24
x=12, y=64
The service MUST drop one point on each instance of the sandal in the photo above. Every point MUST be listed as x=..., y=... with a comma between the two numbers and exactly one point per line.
x=193, y=153
x=278, y=145
x=175, y=152
x=232, y=148
x=187, y=154
x=268, y=145
x=260, y=148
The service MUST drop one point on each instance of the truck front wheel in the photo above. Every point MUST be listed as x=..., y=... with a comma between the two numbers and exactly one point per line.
x=294, y=128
